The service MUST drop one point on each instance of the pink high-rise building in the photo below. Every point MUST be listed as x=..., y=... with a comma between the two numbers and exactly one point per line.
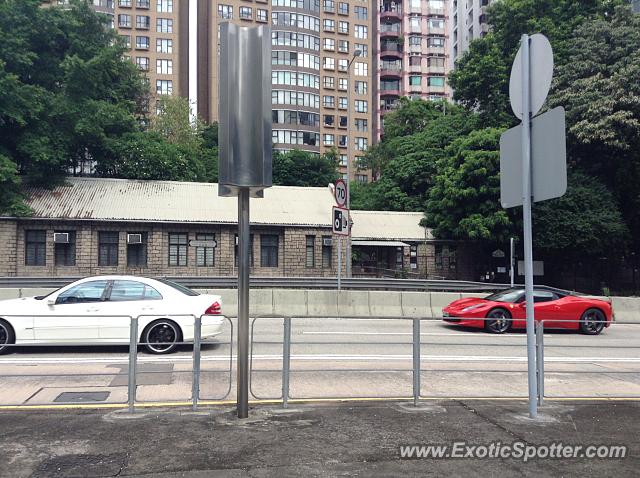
x=413, y=53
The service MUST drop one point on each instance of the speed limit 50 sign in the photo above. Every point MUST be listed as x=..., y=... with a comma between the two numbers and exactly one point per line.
x=340, y=220
x=341, y=193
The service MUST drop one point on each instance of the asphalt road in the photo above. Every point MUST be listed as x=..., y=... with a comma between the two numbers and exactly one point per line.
x=336, y=358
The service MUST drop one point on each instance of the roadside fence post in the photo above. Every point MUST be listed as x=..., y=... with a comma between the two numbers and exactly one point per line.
x=416, y=361
x=197, y=344
x=133, y=356
x=286, y=361
x=540, y=360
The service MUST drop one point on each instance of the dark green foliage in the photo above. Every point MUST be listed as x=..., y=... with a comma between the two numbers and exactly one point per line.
x=300, y=168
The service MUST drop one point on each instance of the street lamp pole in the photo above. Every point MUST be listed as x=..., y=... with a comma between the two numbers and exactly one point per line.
x=356, y=53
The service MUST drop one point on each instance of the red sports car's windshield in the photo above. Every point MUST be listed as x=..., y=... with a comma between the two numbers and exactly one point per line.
x=510, y=296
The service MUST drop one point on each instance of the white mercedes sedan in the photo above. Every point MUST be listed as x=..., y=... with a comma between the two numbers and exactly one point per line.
x=98, y=310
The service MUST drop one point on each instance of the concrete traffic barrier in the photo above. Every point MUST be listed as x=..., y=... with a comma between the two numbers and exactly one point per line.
x=416, y=304
x=626, y=308
x=353, y=303
x=290, y=302
x=9, y=294
x=260, y=302
x=439, y=300
x=385, y=304
x=229, y=299
x=322, y=303
x=36, y=292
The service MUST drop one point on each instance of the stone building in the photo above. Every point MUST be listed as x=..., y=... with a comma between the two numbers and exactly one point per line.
x=92, y=226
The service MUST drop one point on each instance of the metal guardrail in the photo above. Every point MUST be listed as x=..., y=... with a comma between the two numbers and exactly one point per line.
x=417, y=362
x=355, y=283
x=132, y=364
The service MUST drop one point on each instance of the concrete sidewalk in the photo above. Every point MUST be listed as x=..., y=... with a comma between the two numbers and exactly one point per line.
x=340, y=439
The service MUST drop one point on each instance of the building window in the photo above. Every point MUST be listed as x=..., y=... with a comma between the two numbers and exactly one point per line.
x=142, y=62
x=361, y=13
x=362, y=178
x=164, y=87
x=329, y=120
x=343, y=46
x=328, y=82
x=361, y=124
x=342, y=102
x=205, y=255
x=225, y=11
x=124, y=3
x=361, y=31
x=364, y=49
x=35, y=248
x=142, y=3
x=177, y=249
x=65, y=252
x=361, y=69
x=328, y=139
x=328, y=101
x=108, y=242
x=415, y=80
x=310, y=251
x=343, y=160
x=445, y=257
x=343, y=122
x=164, y=45
x=126, y=40
x=142, y=43
x=262, y=15
x=137, y=251
x=435, y=42
x=343, y=8
x=164, y=67
x=327, y=252
x=361, y=87
x=361, y=144
x=436, y=81
x=361, y=106
x=124, y=21
x=328, y=25
x=343, y=64
x=329, y=5
x=164, y=25
x=269, y=250
x=343, y=27
x=165, y=6
x=250, y=250
x=246, y=13
x=143, y=22
x=343, y=84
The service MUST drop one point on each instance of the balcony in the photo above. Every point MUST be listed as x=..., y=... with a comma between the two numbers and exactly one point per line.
x=415, y=68
x=391, y=12
x=390, y=92
x=393, y=50
x=390, y=30
x=390, y=72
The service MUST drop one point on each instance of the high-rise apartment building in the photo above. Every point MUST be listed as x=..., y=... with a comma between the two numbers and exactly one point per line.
x=468, y=22
x=413, y=54
x=322, y=63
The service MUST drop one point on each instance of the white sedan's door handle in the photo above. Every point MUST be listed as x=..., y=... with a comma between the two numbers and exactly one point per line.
x=93, y=309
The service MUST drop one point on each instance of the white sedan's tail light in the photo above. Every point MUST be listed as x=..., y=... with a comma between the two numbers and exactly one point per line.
x=214, y=309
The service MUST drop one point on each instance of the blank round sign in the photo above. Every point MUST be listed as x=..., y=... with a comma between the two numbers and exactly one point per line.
x=540, y=71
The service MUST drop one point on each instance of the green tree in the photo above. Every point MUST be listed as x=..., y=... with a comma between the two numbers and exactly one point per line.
x=481, y=77
x=464, y=203
x=301, y=168
x=65, y=90
x=600, y=91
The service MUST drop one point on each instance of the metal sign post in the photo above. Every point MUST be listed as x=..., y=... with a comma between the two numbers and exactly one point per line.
x=245, y=154
x=532, y=164
x=526, y=217
x=511, y=271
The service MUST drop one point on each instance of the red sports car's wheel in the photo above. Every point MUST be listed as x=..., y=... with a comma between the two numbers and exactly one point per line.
x=592, y=322
x=498, y=321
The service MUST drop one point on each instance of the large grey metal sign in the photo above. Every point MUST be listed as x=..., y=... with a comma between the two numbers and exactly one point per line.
x=548, y=159
x=245, y=109
x=245, y=154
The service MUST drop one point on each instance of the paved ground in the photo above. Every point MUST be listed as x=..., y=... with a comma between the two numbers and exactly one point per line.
x=339, y=358
x=311, y=440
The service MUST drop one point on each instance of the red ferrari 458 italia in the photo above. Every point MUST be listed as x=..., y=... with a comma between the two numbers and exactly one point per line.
x=504, y=310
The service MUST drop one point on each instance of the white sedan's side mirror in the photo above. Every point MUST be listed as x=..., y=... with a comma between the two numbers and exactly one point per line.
x=51, y=302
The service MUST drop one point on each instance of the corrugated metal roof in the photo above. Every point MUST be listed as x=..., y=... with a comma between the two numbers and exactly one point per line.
x=389, y=225
x=171, y=201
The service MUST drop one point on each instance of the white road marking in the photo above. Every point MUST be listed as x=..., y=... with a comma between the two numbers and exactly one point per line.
x=316, y=357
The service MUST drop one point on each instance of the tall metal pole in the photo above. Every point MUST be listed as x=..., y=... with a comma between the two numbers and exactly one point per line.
x=526, y=215
x=243, y=303
x=339, y=261
x=511, y=270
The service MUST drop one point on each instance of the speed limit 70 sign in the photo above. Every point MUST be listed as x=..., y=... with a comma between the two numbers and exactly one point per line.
x=340, y=220
x=341, y=192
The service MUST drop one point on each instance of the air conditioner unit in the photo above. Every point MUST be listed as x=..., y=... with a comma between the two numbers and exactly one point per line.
x=61, y=237
x=327, y=241
x=134, y=238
